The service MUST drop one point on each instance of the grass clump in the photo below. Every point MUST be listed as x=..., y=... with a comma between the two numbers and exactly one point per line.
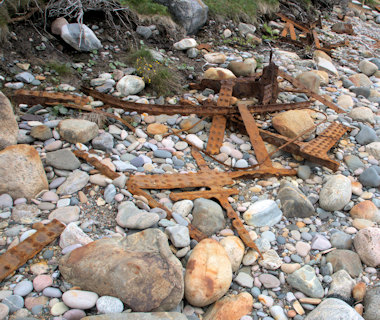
x=158, y=76
x=61, y=69
x=237, y=9
x=146, y=7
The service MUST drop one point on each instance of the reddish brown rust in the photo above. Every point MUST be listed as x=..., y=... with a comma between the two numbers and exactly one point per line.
x=27, y=249
x=298, y=84
x=50, y=98
x=310, y=35
x=314, y=150
x=215, y=181
x=93, y=160
x=218, y=125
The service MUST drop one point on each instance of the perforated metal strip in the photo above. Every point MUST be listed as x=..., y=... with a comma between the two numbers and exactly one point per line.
x=27, y=249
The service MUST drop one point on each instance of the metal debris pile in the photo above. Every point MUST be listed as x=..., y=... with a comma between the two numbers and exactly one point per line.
x=264, y=87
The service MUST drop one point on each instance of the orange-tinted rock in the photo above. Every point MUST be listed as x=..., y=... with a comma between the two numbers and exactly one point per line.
x=157, y=128
x=231, y=307
x=22, y=174
x=358, y=292
x=364, y=210
x=208, y=273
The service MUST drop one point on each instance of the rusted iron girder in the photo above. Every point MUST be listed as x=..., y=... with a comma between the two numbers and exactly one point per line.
x=50, y=98
x=27, y=249
x=218, y=124
x=93, y=160
x=314, y=95
x=310, y=34
x=214, y=180
x=314, y=150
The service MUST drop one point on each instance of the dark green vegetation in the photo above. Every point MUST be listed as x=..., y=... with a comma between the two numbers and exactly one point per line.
x=146, y=7
x=158, y=76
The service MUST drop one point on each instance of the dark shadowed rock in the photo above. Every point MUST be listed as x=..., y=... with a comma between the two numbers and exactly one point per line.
x=293, y=202
x=346, y=260
x=208, y=216
x=140, y=270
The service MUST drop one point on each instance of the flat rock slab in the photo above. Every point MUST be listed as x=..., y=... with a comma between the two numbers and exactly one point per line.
x=22, y=174
x=140, y=270
x=139, y=316
x=77, y=130
x=62, y=159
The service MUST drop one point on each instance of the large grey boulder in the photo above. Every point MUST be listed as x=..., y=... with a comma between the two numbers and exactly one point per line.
x=140, y=270
x=190, y=14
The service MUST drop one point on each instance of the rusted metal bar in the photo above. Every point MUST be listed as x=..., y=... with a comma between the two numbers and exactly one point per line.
x=91, y=159
x=27, y=249
x=314, y=150
x=50, y=98
x=218, y=125
x=298, y=84
x=261, y=152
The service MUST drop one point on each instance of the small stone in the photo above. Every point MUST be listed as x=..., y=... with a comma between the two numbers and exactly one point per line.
x=336, y=193
x=179, y=236
x=208, y=216
x=342, y=284
x=235, y=250
x=66, y=214
x=129, y=216
x=346, y=260
x=58, y=309
x=269, y=281
x=73, y=235
x=77, y=130
x=367, y=245
x=14, y=303
x=208, y=273
x=305, y=280
x=107, y=304
x=130, y=84
x=23, y=288
x=41, y=282
x=157, y=128
x=263, y=213
x=79, y=299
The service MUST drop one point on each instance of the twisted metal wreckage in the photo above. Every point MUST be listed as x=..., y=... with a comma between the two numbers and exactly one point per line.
x=264, y=87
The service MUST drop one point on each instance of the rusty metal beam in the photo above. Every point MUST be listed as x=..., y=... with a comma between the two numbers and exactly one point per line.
x=51, y=98
x=27, y=249
x=298, y=84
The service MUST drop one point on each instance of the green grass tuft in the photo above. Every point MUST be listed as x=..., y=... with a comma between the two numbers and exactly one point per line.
x=236, y=9
x=157, y=76
x=146, y=7
x=61, y=68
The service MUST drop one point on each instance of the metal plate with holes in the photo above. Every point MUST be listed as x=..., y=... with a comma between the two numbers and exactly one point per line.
x=218, y=125
x=27, y=249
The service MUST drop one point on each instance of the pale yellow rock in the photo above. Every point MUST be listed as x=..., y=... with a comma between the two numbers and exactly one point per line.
x=208, y=273
x=218, y=74
x=215, y=57
x=235, y=250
